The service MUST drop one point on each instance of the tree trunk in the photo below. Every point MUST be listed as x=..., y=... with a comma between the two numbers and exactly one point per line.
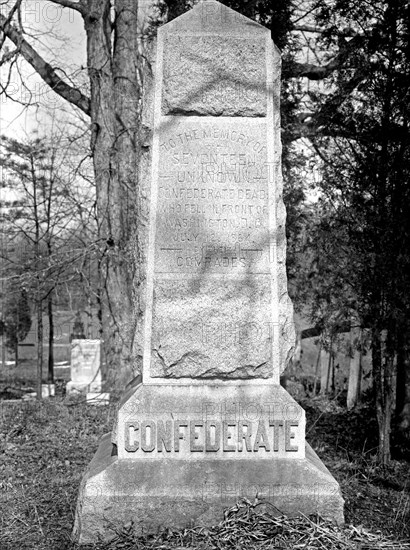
x=324, y=371
x=317, y=369
x=401, y=374
x=297, y=354
x=99, y=294
x=332, y=367
x=384, y=434
x=355, y=370
x=383, y=364
x=50, y=377
x=3, y=352
x=16, y=352
x=39, y=348
x=404, y=416
x=403, y=382
x=114, y=117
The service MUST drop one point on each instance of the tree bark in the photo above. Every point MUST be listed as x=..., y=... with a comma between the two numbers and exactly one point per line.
x=115, y=143
x=317, y=370
x=404, y=415
x=50, y=377
x=333, y=369
x=324, y=371
x=383, y=363
x=39, y=299
x=355, y=371
x=3, y=351
x=16, y=352
x=403, y=382
x=297, y=356
x=39, y=348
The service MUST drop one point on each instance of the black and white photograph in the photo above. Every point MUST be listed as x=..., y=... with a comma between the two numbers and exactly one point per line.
x=204, y=275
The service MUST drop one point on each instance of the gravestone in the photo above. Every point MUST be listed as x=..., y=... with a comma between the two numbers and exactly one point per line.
x=207, y=422
x=85, y=366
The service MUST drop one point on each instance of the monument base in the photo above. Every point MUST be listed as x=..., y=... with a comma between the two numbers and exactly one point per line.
x=177, y=494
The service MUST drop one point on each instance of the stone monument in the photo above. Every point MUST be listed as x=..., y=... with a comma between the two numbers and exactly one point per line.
x=207, y=422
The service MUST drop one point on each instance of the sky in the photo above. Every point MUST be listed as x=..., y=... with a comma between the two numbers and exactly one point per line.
x=59, y=37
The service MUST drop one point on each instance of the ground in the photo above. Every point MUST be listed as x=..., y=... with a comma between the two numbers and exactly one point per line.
x=45, y=447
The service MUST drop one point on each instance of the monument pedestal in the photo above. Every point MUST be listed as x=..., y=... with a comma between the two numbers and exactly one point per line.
x=116, y=492
x=194, y=452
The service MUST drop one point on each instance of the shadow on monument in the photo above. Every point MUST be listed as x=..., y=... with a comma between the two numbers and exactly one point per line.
x=208, y=421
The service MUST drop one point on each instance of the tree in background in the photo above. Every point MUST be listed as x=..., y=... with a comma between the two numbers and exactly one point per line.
x=16, y=318
x=361, y=239
x=120, y=144
x=360, y=64
x=40, y=216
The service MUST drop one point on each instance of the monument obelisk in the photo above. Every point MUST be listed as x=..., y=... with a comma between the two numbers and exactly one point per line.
x=207, y=422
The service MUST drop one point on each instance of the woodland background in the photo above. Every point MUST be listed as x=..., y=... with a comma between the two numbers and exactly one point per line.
x=73, y=218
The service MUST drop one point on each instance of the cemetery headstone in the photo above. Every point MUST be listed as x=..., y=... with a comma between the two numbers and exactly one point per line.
x=207, y=422
x=85, y=366
x=48, y=390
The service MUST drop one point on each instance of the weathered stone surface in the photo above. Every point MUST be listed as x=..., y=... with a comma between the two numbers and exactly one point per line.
x=85, y=366
x=217, y=251
x=214, y=64
x=204, y=342
x=212, y=305
x=156, y=494
x=214, y=76
x=214, y=198
x=213, y=421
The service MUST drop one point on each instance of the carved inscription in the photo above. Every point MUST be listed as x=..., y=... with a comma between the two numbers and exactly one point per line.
x=195, y=436
x=212, y=212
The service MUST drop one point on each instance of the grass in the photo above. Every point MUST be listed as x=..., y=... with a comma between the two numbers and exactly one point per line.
x=252, y=526
x=24, y=375
x=45, y=448
x=377, y=497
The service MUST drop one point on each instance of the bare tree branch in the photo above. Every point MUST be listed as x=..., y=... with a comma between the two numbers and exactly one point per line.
x=44, y=69
x=310, y=71
x=308, y=28
x=321, y=30
x=14, y=9
x=319, y=72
